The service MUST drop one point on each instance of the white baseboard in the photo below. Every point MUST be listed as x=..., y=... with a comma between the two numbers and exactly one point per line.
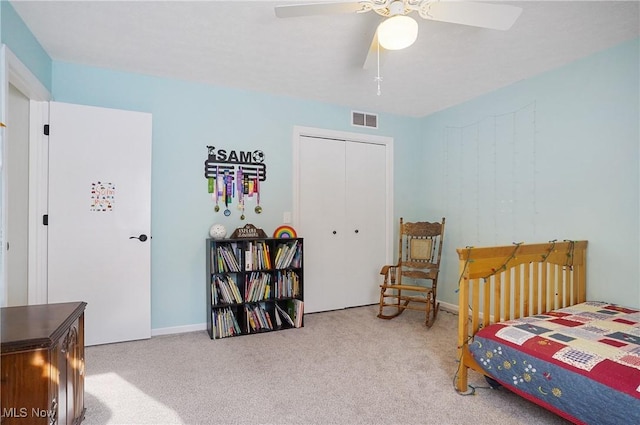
x=179, y=329
x=203, y=326
x=449, y=307
x=455, y=309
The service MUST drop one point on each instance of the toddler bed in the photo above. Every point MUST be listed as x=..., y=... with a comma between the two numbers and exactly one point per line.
x=528, y=326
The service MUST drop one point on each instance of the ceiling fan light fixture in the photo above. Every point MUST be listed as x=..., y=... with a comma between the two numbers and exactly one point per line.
x=397, y=32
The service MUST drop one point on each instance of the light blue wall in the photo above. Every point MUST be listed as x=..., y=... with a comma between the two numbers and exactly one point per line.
x=556, y=157
x=580, y=124
x=186, y=118
x=15, y=34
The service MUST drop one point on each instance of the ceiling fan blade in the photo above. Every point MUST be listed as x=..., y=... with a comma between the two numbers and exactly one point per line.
x=371, y=61
x=296, y=10
x=485, y=15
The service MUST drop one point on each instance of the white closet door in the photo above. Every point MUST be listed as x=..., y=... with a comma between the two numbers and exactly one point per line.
x=322, y=215
x=342, y=217
x=99, y=206
x=365, y=183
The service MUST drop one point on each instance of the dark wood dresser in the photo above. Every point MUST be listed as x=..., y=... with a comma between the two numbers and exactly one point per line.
x=42, y=370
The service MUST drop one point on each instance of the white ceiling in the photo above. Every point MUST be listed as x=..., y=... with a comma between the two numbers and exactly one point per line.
x=243, y=44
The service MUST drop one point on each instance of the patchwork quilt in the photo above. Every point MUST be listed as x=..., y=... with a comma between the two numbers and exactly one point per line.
x=581, y=362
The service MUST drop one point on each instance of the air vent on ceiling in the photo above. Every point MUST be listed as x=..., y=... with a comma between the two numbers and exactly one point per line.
x=364, y=119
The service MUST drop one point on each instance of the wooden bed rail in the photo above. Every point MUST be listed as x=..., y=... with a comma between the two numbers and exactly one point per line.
x=508, y=282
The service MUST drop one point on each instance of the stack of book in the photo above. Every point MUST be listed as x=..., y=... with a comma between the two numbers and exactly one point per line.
x=257, y=256
x=288, y=255
x=258, y=319
x=292, y=315
x=281, y=313
x=257, y=286
x=225, y=323
x=225, y=289
x=227, y=261
x=287, y=284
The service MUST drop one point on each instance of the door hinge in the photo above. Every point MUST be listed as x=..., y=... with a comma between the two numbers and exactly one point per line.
x=45, y=220
x=46, y=129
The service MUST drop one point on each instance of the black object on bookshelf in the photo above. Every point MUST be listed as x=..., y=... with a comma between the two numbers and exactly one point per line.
x=254, y=285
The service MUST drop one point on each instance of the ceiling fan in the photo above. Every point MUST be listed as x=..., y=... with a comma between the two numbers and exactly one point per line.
x=398, y=30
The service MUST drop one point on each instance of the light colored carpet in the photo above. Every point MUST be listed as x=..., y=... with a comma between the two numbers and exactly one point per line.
x=342, y=367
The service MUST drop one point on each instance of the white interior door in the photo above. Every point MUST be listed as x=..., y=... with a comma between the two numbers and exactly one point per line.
x=366, y=243
x=322, y=215
x=99, y=206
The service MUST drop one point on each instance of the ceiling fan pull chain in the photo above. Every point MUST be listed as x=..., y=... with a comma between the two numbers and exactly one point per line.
x=379, y=78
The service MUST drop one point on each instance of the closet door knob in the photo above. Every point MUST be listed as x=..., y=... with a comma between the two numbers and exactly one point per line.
x=357, y=230
x=334, y=232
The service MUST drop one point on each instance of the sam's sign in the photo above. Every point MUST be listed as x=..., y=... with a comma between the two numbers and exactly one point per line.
x=220, y=161
x=247, y=157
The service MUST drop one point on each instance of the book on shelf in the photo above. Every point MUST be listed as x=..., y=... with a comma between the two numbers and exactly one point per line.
x=214, y=293
x=251, y=323
x=248, y=257
x=296, y=261
x=292, y=251
x=299, y=312
x=267, y=255
x=295, y=309
x=277, y=317
x=268, y=317
x=281, y=253
x=234, y=289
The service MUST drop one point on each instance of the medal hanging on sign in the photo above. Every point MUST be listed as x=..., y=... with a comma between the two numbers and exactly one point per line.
x=256, y=188
x=216, y=189
x=213, y=189
x=228, y=192
x=240, y=189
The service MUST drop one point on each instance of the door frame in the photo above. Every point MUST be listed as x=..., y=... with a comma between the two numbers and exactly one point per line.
x=300, y=131
x=14, y=72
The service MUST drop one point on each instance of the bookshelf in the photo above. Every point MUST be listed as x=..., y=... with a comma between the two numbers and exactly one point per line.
x=254, y=286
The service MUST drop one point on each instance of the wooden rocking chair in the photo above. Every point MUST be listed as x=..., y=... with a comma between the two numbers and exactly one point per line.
x=405, y=283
